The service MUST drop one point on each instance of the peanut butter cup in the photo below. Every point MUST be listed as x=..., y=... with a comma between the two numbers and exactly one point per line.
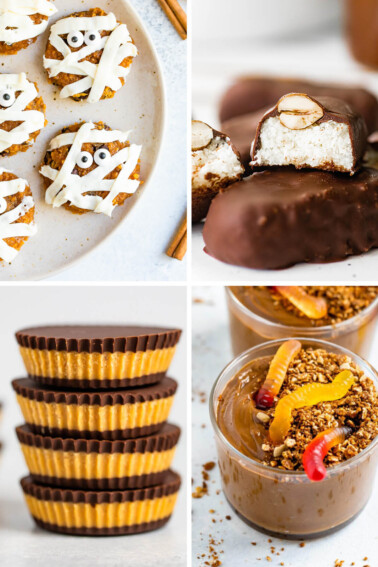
x=117, y=414
x=99, y=464
x=97, y=357
x=102, y=513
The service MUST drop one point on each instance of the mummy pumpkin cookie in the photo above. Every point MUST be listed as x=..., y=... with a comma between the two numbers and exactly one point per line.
x=89, y=167
x=89, y=55
x=16, y=214
x=21, y=21
x=22, y=113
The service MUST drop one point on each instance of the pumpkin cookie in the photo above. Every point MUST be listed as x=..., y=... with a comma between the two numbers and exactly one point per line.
x=103, y=513
x=89, y=167
x=21, y=21
x=89, y=55
x=22, y=113
x=97, y=356
x=16, y=214
x=113, y=414
x=92, y=464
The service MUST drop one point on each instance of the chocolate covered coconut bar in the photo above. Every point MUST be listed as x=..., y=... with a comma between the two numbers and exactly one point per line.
x=215, y=165
x=304, y=131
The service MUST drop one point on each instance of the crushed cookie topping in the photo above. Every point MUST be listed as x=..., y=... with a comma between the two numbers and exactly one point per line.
x=357, y=410
x=344, y=302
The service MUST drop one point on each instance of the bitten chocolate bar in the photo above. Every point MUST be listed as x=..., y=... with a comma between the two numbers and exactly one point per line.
x=215, y=165
x=304, y=131
x=251, y=93
x=280, y=217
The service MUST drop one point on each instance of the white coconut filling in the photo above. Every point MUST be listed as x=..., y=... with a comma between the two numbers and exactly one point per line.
x=324, y=144
x=215, y=164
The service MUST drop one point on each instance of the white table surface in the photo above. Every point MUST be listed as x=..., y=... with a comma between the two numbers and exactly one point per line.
x=136, y=251
x=22, y=544
x=211, y=352
x=315, y=56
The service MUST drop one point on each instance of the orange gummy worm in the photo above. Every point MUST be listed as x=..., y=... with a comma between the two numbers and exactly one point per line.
x=308, y=395
x=318, y=448
x=313, y=307
x=277, y=373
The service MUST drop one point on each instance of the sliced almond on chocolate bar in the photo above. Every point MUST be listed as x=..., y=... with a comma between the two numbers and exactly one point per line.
x=298, y=111
x=202, y=134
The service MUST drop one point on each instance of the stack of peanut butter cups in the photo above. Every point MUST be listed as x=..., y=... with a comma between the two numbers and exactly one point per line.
x=96, y=439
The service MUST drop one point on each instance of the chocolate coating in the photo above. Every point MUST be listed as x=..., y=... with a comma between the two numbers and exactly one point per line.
x=170, y=485
x=97, y=532
x=29, y=389
x=280, y=217
x=241, y=131
x=97, y=338
x=248, y=94
x=336, y=110
x=164, y=440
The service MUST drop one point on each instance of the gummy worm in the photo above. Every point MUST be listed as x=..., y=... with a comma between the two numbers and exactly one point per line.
x=308, y=395
x=318, y=448
x=313, y=307
x=277, y=373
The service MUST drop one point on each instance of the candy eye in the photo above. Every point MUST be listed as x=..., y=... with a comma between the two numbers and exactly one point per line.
x=7, y=98
x=84, y=160
x=75, y=39
x=102, y=156
x=92, y=38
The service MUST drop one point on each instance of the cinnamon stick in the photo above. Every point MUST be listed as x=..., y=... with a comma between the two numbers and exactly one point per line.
x=178, y=245
x=179, y=12
x=172, y=8
x=180, y=251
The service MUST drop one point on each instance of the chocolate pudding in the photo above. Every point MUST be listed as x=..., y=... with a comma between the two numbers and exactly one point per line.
x=265, y=482
x=260, y=313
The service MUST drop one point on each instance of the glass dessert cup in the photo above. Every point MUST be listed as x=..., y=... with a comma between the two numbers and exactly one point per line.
x=286, y=503
x=361, y=30
x=249, y=329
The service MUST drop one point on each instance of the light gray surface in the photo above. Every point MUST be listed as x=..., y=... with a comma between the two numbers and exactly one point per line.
x=136, y=251
x=211, y=352
x=21, y=543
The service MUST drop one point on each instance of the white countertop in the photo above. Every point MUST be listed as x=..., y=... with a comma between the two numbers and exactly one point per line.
x=22, y=544
x=136, y=251
x=211, y=352
x=318, y=56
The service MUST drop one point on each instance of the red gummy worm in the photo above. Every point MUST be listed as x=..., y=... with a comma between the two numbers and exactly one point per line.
x=318, y=448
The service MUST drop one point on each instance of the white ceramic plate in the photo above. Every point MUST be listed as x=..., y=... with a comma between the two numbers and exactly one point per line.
x=63, y=237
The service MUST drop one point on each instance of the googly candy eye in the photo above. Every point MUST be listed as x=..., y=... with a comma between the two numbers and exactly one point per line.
x=7, y=98
x=84, y=160
x=92, y=38
x=75, y=39
x=102, y=156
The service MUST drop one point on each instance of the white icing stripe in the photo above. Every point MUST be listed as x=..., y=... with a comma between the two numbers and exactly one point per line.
x=10, y=188
x=93, y=136
x=15, y=14
x=69, y=187
x=8, y=227
x=66, y=25
x=32, y=120
x=95, y=78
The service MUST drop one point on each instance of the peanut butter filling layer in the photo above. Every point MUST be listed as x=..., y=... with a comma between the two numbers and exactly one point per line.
x=83, y=419
x=63, y=365
x=71, y=465
x=104, y=515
